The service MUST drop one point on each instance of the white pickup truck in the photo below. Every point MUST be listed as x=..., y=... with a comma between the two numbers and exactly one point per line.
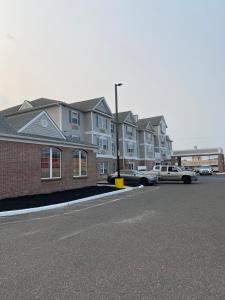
x=173, y=173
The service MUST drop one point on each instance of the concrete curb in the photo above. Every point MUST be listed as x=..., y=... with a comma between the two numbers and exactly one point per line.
x=59, y=205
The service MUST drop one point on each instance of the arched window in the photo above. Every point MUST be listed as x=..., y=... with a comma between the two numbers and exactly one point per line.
x=79, y=163
x=50, y=163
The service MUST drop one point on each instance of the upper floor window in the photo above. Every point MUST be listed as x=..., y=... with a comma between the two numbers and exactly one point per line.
x=102, y=143
x=101, y=122
x=50, y=163
x=113, y=148
x=79, y=163
x=74, y=117
x=162, y=139
x=112, y=128
x=130, y=148
x=129, y=131
x=148, y=136
x=163, y=127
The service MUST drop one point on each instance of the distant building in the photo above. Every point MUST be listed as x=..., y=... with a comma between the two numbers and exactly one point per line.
x=195, y=158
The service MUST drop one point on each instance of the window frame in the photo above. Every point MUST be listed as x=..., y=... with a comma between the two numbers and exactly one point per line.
x=51, y=164
x=105, y=168
x=80, y=152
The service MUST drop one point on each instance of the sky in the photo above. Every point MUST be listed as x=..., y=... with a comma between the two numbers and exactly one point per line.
x=169, y=55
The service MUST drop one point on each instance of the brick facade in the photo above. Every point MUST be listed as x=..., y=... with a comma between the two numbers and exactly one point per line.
x=20, y=174
x=111, y=167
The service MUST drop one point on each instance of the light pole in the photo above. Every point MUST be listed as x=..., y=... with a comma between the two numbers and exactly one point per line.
x=117, y=131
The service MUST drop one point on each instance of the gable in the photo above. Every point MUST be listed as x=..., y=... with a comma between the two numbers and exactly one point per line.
x=42, y=125
x=26, y=104
x=130, y=119
x=102, y=107
x=148, y=127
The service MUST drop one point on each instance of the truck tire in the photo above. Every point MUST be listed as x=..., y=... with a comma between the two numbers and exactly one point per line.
x=186, y=179
x=112, y=181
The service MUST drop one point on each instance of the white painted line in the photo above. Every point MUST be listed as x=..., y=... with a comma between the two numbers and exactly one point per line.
x=59, y=205
x=70, y=235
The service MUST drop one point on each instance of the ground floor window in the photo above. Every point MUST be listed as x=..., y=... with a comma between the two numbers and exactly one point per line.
x=130, y=166
x=103, y=167
x=50, y=163
x=79, y=163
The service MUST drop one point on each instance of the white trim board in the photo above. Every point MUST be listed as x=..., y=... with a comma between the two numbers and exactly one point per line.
x=36, y=141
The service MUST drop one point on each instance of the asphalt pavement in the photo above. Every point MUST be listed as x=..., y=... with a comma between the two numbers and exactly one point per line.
x=164, y=242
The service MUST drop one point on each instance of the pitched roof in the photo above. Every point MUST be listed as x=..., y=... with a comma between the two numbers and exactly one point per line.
x=5, y=126
x=35, y=104
x=143, y=123
x=168, y=139
x=122, y=116
x=18, y=121
x=155, y=121
x=7, y=129
x=86, y=105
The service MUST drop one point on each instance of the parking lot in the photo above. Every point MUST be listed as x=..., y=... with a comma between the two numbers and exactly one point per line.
x=159, y=242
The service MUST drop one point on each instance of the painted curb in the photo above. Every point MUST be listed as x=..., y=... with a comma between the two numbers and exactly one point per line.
x=59, y=205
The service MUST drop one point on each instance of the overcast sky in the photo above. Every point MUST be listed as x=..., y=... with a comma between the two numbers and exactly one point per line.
x=169, y=55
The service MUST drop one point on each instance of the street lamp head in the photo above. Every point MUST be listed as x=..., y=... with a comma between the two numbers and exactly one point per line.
x=119, y=84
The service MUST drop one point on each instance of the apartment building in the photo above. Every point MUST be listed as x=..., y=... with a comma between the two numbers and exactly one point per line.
x=145, y=142
x=162, y=142
x=142, y=142
x=128, y=146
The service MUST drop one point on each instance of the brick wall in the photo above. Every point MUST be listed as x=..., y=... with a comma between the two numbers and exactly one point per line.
x=20, y=174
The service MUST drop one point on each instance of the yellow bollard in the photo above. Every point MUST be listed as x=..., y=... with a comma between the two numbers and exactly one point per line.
x=119, y=183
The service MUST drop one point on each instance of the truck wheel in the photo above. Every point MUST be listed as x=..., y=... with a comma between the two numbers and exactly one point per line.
x=186, y=180
x=112, y=181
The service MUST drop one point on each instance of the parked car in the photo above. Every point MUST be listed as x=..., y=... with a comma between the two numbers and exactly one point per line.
x=174, y=173
x=134, y=177
x=205, y=170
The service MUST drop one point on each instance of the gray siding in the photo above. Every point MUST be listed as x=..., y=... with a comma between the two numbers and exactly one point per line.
x=37, y=128
x=70, y=128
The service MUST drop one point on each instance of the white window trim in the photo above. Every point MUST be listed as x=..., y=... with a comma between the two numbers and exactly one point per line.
x=76, y=118
x=50, y=177
x=104, y=169
x=78, y=176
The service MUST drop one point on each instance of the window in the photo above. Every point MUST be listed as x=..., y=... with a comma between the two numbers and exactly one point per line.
x=113, y=148
x=164, y=169
x=172, y=169
x=131, y=166
x=74, y=117
x=101, y=122
x=130, y=148
x=148, y=137
x=103, y=168
x=79, y=163
x=129, y=131
x=102, y=143
x=50, y=163
x=149, y=151
x=112, y=128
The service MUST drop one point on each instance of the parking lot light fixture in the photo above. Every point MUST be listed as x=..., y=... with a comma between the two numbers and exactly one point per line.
x=117, y=130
